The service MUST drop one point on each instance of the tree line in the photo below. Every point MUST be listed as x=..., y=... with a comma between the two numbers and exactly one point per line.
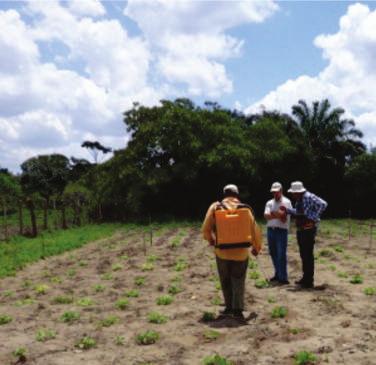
x=180, y=155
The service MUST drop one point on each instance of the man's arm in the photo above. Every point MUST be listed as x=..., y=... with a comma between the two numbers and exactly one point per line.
x=269, y=214
x=256, y=236
x=208, y=226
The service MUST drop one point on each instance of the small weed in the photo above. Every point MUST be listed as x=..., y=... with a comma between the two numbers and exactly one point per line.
x=342, y=275
x=132, y=293
x=4, y=319
x=176, y=279
x=86, y=343
x=279, y=312
x=304, y=358
x=122, y=303
x=82, y=263
x=151, y=258
x=139, y=280
x=332, y=267
x=148, y=266
x=252, y=264
x=218, y=285
x=41, y=289
x=27, y=284
x=216, y=300
x=107, y=276
x=71, y=273
x=8, y=293
x=211, y=335
x=261, y=284
x=216, y=360
x=117, y=267
x=26, y=301
x=99, y=288
x=119, y=340
x=155, y=317
x=208, y=316
x=45, y=335
x=124, y=257
x=370, y=291
x=85, y=302
x=176, y=242
x=174, y=289
x=147, y=338
x=109, y=321
x=271, y=300
x=356, y=279
x=20, y=354
x=326, y=253
x=295, y=330
x=338, y=248
x=62, y=299
x=70, y=316
x=254, y=275
x=181, y=265
x=165, y=300
x=56, y=280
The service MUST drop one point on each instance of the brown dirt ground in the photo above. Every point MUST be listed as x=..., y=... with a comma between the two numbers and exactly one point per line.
x=338, y=324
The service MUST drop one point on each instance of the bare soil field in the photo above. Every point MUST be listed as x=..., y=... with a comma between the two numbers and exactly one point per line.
x=89, y=306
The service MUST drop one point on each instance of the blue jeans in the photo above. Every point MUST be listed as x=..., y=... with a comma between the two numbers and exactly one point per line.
x=277, y=241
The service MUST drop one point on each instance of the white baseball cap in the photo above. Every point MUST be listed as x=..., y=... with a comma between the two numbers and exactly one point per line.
x=231, y=187
x=297, y=187
x=276, y=187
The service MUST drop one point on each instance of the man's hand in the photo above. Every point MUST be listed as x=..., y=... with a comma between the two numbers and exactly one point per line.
x=212, y=242
x=254, y=252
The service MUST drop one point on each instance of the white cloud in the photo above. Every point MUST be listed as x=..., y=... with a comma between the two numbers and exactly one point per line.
x=190, y=41
x=348, y=78
x=86, y=7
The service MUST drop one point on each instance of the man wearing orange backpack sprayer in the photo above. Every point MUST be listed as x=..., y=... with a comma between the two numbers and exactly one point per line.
x=231, y=228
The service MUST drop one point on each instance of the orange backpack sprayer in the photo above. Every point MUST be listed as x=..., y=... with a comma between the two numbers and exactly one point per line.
x=233, y=227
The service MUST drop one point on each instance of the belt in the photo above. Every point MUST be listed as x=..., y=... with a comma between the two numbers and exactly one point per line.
x=274, y=228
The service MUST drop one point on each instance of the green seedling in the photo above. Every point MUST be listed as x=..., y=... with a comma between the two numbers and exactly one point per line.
x=26, y=301
x=71, y=273
x=70, y=316
x=119, y=340
x=342, y=275
x=216, y=360
x=151, y=258
x=62, y=299
x=41, y=289
x=148, y=266
x=174, y=289
x=124, y=257
x=216, y=300
x=252, y=264
x=147, y=338
x=82, y=263
x=122, y=303
x=165, y=300
x=296, y=331
x=370, y=291
x=271, y=300
x=45, y=335
x=117, y=267
x=211, y=335
x=86, y=343
x=356, y=279
x=254, y=275
x=109, y=321
x=261, y=284
x=338, y=248
x=107, y=276
x=181, y=265
x=139, y=280
x=20, y=354
x=85, y=302
x=279, y=312
x=157, y=318
x=305, y=358
x=132, y=293
x=56, y=280
x=4, y=319
x=208, y=316
x=99, y=288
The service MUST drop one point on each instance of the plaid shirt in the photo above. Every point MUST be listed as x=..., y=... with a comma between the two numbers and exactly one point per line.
x=311, y=206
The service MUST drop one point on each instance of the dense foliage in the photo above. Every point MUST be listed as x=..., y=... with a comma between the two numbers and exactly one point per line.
x=180, y=155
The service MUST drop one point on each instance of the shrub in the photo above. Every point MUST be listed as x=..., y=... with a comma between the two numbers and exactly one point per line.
x=86, y=343
x=279, y=312
x=147, y=338
x=165, y=300
x=157, y=318
x=70, y=316
x=304, y=358
x=45, y=335
x=122, y=303
x=370, y=291
x=216, y=360
x=356, y=279
x=4, y=319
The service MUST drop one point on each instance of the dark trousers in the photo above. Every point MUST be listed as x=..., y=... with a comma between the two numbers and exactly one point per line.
x=306, y=242
x=277, y=242
x=232, y=275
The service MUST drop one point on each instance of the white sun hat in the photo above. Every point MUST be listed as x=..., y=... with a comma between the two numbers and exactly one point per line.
x=231, y=187
x=276, y=187
x=297, y=187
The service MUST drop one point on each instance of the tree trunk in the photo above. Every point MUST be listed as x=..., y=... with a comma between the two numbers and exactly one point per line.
x=20, y=217
x=5, y=221
x=34, y=229
x=45, y=213
x=63, y=217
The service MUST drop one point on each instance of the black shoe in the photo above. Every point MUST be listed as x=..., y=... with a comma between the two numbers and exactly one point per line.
x=274, y=278
x=304, y=285
x=239, y=318
x=283, y=282
x=298, y=282
x=227, y=312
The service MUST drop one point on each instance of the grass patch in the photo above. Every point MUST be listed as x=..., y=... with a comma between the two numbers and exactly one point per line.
x=147, y=338
x=21, y=251
x=70, y=317
x=369, y=291
x=279, y=312
x=304, y=358
x=216, y=360
x=157, y=318
x=165, y=300
x=44, y=335
x=86, y=343
x=5, y=319
x=356, y=279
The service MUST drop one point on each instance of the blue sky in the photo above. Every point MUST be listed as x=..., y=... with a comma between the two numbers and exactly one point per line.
x=70, y=68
